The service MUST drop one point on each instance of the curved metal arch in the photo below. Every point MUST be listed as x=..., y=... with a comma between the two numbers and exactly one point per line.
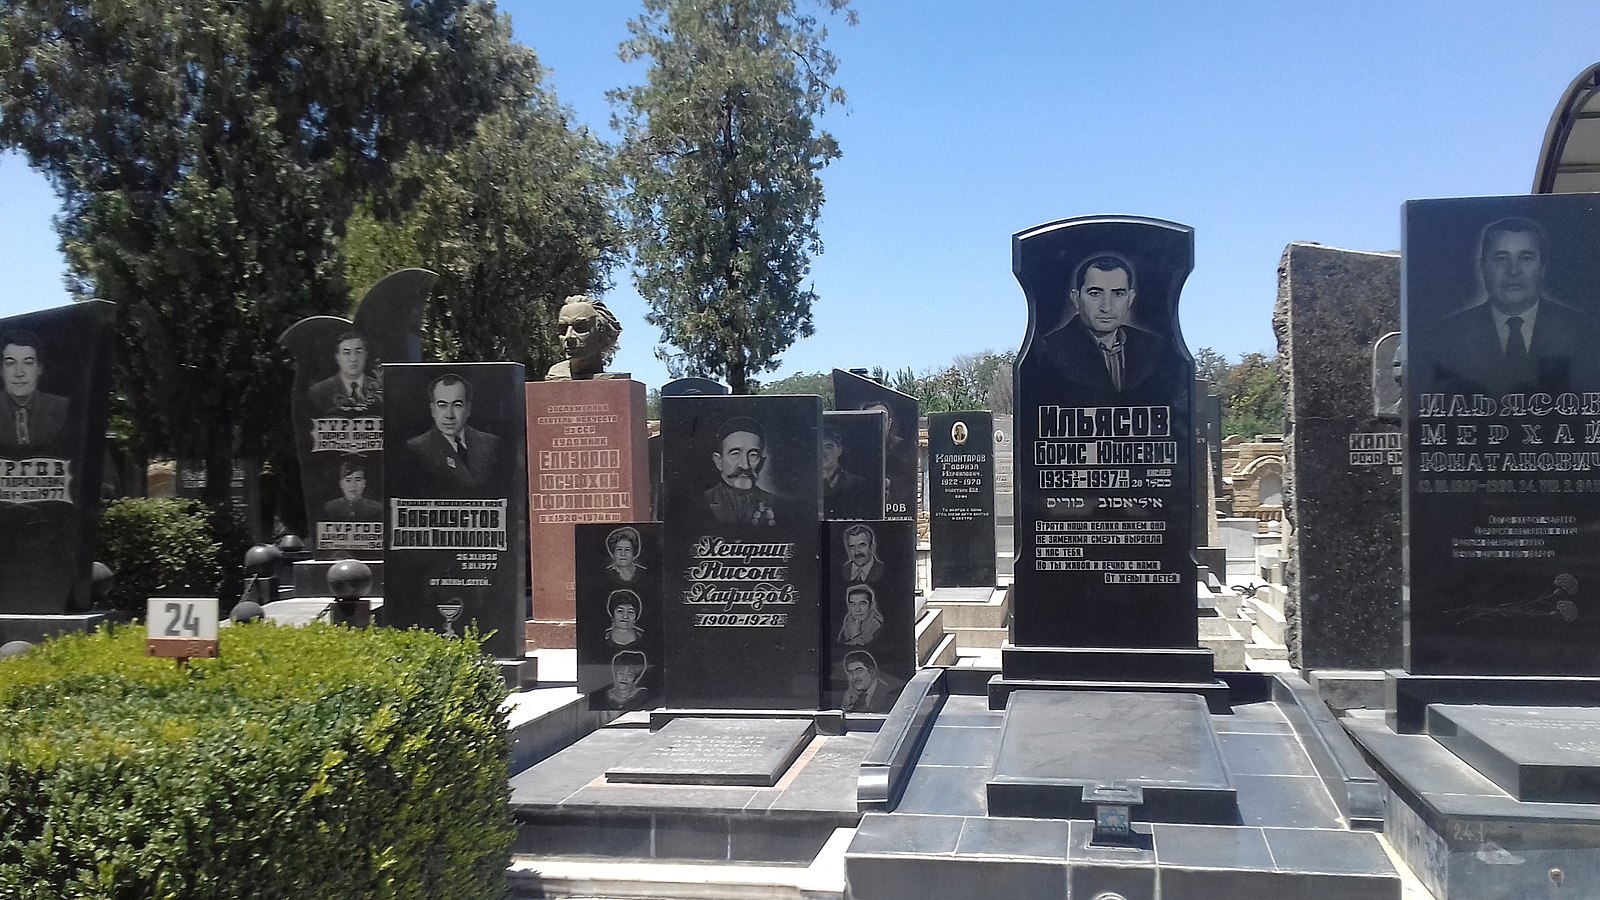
x=1569, y=161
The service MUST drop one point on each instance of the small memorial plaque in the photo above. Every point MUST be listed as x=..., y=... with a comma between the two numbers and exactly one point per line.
x=1548, y=754
x=717, y=751
x=1502, y=416
x=871, y=613
x=618, y=572
x=961, y=498
x=852, y=391
x=1104, y=409
x=453, y=458
x=743, y=498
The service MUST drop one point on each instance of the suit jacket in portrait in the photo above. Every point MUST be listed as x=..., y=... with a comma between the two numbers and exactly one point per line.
x=332, y=397
x=47, y=423
x=358, y=510
x=731, y=506
x=446, y=472
x=874, y=573
x=1072, y=350
x=1468, y=359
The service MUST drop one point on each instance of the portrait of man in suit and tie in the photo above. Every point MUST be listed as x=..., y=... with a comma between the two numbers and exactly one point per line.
x=862, y=565
x=1515, y=337
x=455, y=459
x=1099, y=346
x=31, y=420
x=351, y=391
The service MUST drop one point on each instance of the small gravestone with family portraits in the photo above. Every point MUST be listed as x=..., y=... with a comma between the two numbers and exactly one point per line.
x=55, y=381
x=742, y=512
x=617, y=568
x=869, y=620
x=337, y=413
x=457, y=483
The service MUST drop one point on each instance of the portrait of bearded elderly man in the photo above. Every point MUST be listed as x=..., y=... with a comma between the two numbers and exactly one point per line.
x=588, y=331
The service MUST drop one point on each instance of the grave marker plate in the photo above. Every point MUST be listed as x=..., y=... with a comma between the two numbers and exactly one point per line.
x=455, y=554
x=752, y=752
x=742, y=501
x=618, y=570
x=1104, y=432
x=961, y=498
x=52, y=429
x=851, y=391
x=1503, y=452
x=871, y=613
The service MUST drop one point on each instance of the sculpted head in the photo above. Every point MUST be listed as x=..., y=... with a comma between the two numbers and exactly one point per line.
x=588, y=332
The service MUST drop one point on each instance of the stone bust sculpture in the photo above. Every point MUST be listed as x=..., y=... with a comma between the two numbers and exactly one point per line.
x=588, y=332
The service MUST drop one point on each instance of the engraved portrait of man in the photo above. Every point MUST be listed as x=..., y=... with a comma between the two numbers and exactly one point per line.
x=455, y=459
x=31, y=420
x=1099, y=346
x=741, y=454
x=352, y=391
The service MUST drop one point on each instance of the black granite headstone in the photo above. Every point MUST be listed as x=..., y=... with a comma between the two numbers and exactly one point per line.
x=852, y=464
x=52, y=428
x=455, y=460
x=961, y=499
x=742, y=521
x=618, y=578
x=852, y=391
x=244, y=490
x=1104, y=413
x=694, y=387
x=337, y=410
x=871, y=613
x=1502, y=416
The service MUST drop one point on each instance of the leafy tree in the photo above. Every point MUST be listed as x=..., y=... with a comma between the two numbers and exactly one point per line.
x=971, y=381
x=1210, y=365
x=721, y=155
x=515, y=220
x=819, y=383
x=1252, y=396
x=208, y=155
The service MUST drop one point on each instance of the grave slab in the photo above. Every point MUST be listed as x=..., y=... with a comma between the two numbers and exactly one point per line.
x=1054, y=745
x=1541, y=754
x=753, y=752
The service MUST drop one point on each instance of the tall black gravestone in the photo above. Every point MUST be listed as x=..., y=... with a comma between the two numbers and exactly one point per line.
x=337, y=410
x=852, y=464
x=617, y=571
x=852, y=391
x=52, y=426
x=1502, y=417
x=961, y=499
x=742, y=521
x=1104, y=432
x=455, y=461
x=870, y=622
x=678, y=387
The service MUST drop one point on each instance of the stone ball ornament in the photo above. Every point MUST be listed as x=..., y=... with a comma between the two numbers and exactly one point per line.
x=349, y=579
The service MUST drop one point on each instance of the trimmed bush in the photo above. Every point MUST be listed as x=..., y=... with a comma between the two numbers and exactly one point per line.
x=317, y=762
x=159, y=547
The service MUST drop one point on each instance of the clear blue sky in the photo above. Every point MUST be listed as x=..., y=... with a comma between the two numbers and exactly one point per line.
x=1256, y=123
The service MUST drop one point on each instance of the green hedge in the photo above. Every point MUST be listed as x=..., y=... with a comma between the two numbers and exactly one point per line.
x=318, y=762
x=159, y=547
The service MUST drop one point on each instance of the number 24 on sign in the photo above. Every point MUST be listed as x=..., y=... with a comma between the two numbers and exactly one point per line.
x=181, y=627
